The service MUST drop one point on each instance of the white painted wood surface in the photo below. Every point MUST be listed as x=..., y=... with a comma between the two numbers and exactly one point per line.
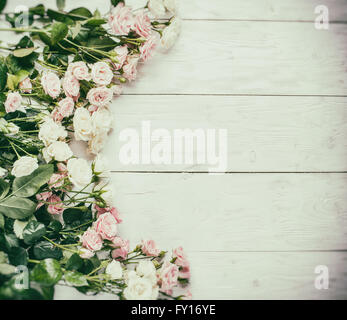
x=260, y=69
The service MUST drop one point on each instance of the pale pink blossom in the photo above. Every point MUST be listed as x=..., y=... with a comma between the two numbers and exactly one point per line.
x=181, y=259
x=142, y=24
x=112, y=210
x=13, y=102
x=51, y=84
x=130, y=68
x=91, y=240
x=121, y=19
x=106, y=226
x=62, y=168
x=71, y=87
x=121, y=248
x=56, y=115
x=184, y=273
x=56, y=180
x=56, y=205
x=122, y=53
x=148, y=47
x=42, y=197
x=100, y=96
x=66, y=107
x=187, y=296
x=79, y=70
x=102, y=73
x=149, y=248
x=26, y=85
x=168, y=277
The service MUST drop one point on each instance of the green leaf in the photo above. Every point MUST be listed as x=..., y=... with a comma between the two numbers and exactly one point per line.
x=39, y=10
x=115, y=2
x=61, y=5
x=74, y=263
x=27, y=186
x=75, y=279
x=2, y=221
x=17, y=208
x=48, y=292
x=8, y=241
x=18, y=256
x=2, y=5
x=12, y=81
x=58, y=32
x=20, y=53
x=47, y=272
x=4, y=188
x=21, y=75
x=94, y=22
x=45, y=249
x=33, y=231
x=3, y=75
x=80, y=12
x=7, y=269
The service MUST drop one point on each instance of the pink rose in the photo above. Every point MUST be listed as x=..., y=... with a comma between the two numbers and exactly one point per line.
x=79, y=70
x=142, y=24
x=62, y=168
x=92, y=109
x=71, y=87
x=100, y=96
x=91, y=240
x=181, y=259
x=56, y=180
x=56, y=206
x=121, y=248
x=56, y=115
x=149, y=248
x=147, y=48
x=129, y=68
x=115, y=214
x=122, y=53
x=187, y=296
x=106, y=226
x=102, y=73
x=26, y=85
x=185, y=273
x=168, y=277
x=13, y=102
x=66, y=107
x=51, y=84
x=42, y=197
x=121, y=19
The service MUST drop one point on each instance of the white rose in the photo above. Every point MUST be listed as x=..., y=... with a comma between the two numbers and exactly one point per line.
x=96, y=144
x=82, y=123
x=24, y=166
x=12, y=128
x=101, y=166
x=101, y=121
x=86, y=254
x=3, y=172
x=170, y=34
x=80, y=173
x=140, y=289
x=147, y=269
x=51, y=131
x=59, y=150
x=114, y=269
x=171, y=5
x=156, y=7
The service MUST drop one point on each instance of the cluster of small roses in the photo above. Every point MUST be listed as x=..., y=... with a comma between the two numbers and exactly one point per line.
x=75, y=98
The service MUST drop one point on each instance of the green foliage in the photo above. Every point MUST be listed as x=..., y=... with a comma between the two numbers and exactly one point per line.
x=60, y=5
x=76, y=279
x=17, y=208
x=3, y=74
x=18, y=256
x=74, y=263
x=27, y=186
x=2, y=5
x=115, y=2
x=4, y=188
x=47, y=272
x=33, y=231
x=45, y=249
x=58, y=32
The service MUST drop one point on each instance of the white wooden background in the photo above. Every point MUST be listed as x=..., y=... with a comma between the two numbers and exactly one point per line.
x=260, y=69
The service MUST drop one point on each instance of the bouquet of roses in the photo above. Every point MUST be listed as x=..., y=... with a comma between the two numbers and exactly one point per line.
x=58, y=222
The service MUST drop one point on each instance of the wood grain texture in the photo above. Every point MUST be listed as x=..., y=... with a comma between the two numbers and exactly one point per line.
x=234, y=212
x=261, y=275
x=243, y=58
x=264, y=133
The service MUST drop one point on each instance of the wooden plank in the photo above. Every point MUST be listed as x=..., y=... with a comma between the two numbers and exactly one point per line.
x=234, y=212
x=243, y=58
x=264, y=133
x=260, y=275
x=287, y=10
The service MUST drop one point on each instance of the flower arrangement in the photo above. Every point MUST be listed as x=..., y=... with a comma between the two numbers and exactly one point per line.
x=58, y=222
